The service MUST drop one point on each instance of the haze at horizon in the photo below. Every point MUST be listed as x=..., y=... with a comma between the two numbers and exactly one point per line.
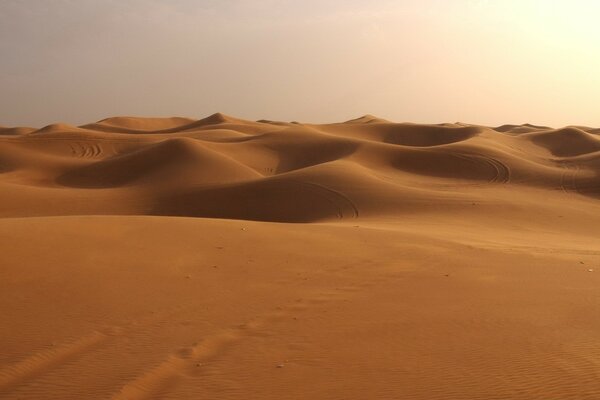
x=485, y=62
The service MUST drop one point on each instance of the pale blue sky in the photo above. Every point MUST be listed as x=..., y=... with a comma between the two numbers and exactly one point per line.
x=478, y=61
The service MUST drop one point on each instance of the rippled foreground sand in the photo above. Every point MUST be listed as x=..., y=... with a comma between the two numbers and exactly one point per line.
x=230, y=259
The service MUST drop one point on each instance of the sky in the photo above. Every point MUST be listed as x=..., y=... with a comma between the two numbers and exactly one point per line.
x=427, y=61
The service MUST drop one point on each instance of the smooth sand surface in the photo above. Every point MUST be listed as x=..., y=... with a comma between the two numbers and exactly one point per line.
x=172, y=258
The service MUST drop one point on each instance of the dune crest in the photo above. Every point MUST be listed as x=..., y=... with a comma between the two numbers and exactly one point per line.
x=366, y=119
x=58, y=127
x=138, y=123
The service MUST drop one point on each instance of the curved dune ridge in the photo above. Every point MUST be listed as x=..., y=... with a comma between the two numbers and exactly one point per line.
x=226, y=167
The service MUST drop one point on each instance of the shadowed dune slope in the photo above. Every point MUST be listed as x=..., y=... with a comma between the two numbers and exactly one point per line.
x=405, y=134
x=225, y=167
x=168, y=161
x=567, y=142
x=16, y=131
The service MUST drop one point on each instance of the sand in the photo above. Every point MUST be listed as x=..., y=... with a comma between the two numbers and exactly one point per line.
x=173, y=258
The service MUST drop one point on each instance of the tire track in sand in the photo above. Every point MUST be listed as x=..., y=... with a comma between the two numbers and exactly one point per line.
x=339, y=201
x=502, y=174
x=188, y=361
x=38, y=363
x=573, y=181
x=500, y=171
x=41, y=362
x=90, y=150
x=568, y=178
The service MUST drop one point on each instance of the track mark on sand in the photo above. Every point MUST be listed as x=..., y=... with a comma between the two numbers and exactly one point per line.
x=572, y=181
x=86, y=150
x=501, y=172
x=339, y=200
x=568, y=178
x=189, y=360
x=38, y=363
x=41, y=362
x=158, y=379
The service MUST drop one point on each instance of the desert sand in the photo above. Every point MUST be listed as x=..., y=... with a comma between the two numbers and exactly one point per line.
x=174, y=258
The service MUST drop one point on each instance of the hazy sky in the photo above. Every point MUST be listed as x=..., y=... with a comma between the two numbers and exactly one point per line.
x=478, y=61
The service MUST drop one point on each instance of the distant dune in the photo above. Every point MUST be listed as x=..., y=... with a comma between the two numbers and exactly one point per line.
x=221, y=258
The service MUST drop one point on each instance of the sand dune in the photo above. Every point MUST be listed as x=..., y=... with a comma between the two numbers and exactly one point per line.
x=181, y=159
x=567, y=142
x=15, y=131
x=223, y=163
x=222, y=258
x=120, y=124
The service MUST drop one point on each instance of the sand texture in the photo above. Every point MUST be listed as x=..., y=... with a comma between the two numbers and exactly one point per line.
x=173, y=258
